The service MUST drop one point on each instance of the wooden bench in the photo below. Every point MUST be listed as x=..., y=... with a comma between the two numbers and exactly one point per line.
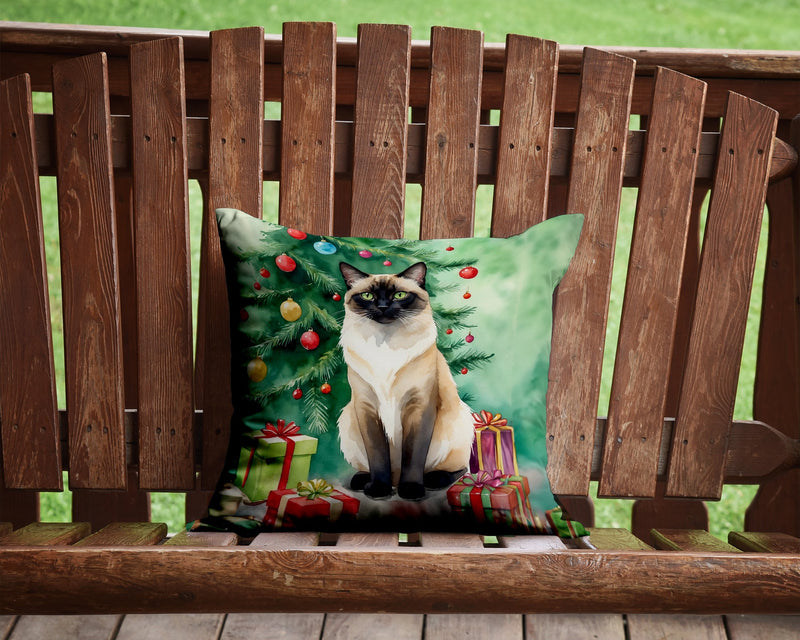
x=138, y=115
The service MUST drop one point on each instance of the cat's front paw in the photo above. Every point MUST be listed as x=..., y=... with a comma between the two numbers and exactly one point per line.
x=411, y=490
x=378, y=489
x=440, y=479
x=359, y=481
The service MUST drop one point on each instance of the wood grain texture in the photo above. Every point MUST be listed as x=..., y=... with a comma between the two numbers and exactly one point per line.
x=159, y=579
x=203, y=539
x=126, y=534
x=307, y=117
x=607, y=539
x=764, y=542
x=526, y=123
x=100, y=508
x=475, y=625
x=647, y=627
x=162, y=266
x=31, y=451
x=198, y=626
x=380, y=131
x=598, y=626
x=374, y=626
x=652, y=288
x=726, y=274
x=451, y=156
x=89, y=274
x=46, y=534
x=581, y=307
x=43, y=627
x=755, y=627
x=689, y=540
x=287, y=626
x=236, y=120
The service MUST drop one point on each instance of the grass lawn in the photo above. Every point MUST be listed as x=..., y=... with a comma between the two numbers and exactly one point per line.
x=774, y=24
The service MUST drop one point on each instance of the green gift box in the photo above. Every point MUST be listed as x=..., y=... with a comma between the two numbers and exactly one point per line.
x=275, y=457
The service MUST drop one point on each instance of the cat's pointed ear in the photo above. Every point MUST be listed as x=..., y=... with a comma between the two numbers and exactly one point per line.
x=350, y=274
x=415, y=272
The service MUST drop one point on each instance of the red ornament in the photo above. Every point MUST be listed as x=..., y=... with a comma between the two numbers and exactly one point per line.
x=387, y=263
x=298, y=235
x=464, y=371
x=256, y=286
x=449, y=248
x=310, y=340
x=467, y=295
x=336, y=297
x=264, y=272
x=297, y=393
x=285, y=263
x=469, y=338
x=468, y=273
x=325, y=388
x=448, y=331
x=244, y=315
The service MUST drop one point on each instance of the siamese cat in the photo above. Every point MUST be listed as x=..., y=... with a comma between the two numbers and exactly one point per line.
x=405, y=425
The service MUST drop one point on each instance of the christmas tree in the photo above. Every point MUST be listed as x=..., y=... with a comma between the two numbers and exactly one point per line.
x=294, y=314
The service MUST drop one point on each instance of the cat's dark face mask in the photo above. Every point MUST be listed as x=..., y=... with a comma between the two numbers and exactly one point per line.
x=385, y=298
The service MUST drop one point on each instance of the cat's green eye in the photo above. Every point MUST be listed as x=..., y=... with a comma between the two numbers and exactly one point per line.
x=399, y=295
x=369, y=297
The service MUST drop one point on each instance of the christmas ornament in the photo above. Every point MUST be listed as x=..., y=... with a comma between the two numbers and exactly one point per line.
x=467, y=295
x=297, y=235
x=256, y=370
x=336, y=297
x=257, y=286
x=290, y=310
x=310, y=340
x=325, y=388
x=325, y=248
x=285, y=263
x=449, y=248
x=387, y=263
x=464, y=371
x=448, y=331
x=468, y=273
x=469, y=338
x=264, y=272
x=297, y=394
x=244, y=315
x=365, y=253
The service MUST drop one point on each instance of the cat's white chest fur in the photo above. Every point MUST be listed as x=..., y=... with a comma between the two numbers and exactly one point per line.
x=378, y=355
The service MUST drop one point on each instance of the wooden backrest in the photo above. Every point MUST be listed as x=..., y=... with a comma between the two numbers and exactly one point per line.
x=146, y=411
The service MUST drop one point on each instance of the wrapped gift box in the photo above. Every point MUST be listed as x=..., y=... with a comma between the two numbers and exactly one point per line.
x=311, y=501
x=493, y=499
x=493, y=447
x=275, y=457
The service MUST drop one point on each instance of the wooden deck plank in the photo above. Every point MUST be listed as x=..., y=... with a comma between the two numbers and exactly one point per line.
x=434, y=540
x=689, y=540
x=728, y=258
x=380, y=131
x=89, y=275
x=650, y=626
x=764, y=542
x=531, y=543
x=261, y=626
x=166, y=380
x=374, y=626
x=607, y=539
x=47, y=627
x=185, y=626
x=31, y=448
x=599, y=626
x=473, y=625
x=286, y=540
x=203, y=539
x=755, y=627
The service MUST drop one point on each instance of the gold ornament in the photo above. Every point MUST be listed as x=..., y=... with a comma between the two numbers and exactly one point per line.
x=256, y=370
x=290, y=310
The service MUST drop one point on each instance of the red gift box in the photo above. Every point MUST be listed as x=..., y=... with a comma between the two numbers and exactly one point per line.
x=312, y=499
x=493, y=447
x=494, y=499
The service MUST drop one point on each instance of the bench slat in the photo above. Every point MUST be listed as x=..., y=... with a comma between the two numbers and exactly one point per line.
x=649, y=314
x=101, y=508
x=45, y=534
x=689, y=540
x=380, y=136
x=601, y=132
x=90, y=275
x=126, y=534
x=236, y=121
x=448, y=194
x=525, y=137
x=726, y=274
x=307, y=116
x=162, y=266
x=31, y=455
x=764, y=542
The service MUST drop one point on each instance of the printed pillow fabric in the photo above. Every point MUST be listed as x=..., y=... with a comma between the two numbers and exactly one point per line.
x=389, y=384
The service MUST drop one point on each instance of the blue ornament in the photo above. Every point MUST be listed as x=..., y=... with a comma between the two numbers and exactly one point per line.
x=325, y=248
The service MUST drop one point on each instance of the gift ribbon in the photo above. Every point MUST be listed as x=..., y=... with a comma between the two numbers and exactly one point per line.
x=485, y=479
x=317, y=488
x=284, y=432
x=485, y=419
x=478, y=489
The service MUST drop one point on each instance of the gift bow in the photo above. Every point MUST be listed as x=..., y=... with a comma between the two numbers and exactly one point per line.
x=484, y=479
x=282, y=430
x=486, y=419
x=313, y=489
